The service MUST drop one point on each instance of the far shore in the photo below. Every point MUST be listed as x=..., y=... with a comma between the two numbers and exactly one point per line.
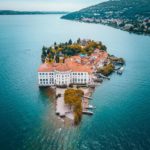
x=16, y=12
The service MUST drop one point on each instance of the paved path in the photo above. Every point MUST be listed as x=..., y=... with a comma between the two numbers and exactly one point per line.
x=61, y=107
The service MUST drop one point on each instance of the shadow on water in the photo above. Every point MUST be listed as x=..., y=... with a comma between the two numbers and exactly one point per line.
x=47, y=92
x=48, y=97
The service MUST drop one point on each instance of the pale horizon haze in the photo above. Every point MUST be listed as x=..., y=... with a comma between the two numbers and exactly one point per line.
x=46, y=5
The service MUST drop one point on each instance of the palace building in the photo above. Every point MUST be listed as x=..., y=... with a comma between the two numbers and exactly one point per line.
x=74, y=70
x=64, y=74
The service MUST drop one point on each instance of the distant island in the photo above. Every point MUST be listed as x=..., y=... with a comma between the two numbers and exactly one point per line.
x=73, y=70
x=128, y=15
x=13, y=12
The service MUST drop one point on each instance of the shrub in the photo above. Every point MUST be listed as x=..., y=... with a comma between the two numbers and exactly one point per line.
x=106, y=70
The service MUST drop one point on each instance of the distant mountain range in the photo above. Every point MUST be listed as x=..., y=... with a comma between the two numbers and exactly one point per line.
x=13, y=12
x=114, y=9
x=130, y=15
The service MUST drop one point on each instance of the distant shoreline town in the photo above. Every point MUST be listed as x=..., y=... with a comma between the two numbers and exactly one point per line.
x=139, y=26
x=73, y=69
x=132, y=16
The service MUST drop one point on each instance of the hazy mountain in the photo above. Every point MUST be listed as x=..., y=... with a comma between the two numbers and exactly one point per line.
x=129, y=15
x=12, y=12
x=130, y=9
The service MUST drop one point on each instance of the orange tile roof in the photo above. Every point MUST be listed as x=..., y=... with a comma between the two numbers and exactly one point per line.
x=45, y=68
x=76, y=57
x=77, y=67
x=62, y=67
x=73, y=65
x=68, y=66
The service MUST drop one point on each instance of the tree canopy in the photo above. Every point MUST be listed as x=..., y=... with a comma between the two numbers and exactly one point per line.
x=71, y=48
x=73, y=98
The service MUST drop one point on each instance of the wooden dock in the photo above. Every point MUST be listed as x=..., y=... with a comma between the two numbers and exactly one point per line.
x=102, y=76
x=88, y=97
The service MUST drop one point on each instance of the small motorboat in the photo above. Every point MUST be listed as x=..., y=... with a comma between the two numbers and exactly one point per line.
x=87, y=112
x=90, y=107
x=120, y=71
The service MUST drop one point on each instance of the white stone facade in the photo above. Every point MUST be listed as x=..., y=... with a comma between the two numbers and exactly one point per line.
x=63, y=78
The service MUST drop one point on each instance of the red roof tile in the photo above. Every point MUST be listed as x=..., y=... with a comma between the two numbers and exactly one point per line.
x=45, y=68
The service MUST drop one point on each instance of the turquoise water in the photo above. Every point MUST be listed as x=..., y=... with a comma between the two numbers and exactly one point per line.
x=121, y=120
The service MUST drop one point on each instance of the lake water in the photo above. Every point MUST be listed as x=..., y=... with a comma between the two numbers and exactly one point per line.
x=121, y=120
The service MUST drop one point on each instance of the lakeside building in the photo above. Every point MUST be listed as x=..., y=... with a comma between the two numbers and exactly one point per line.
x=75, y=70
x=64, y=74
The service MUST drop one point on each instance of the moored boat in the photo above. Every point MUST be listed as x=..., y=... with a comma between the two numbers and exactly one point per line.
x=120, y=71
x=87, y=112
x=90, y=107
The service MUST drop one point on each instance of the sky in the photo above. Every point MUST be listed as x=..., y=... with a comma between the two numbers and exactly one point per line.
x=47, y=5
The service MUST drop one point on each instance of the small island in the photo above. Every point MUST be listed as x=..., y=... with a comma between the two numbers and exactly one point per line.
x=73, y=70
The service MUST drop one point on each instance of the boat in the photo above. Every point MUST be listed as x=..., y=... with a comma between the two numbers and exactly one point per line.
x=120, y=71
x=90, y=107
x=87, y=112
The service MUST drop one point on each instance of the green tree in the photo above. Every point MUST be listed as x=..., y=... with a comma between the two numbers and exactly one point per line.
x=103, y=47
x=57, y=59
x=70, y=42
x=78, y=41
